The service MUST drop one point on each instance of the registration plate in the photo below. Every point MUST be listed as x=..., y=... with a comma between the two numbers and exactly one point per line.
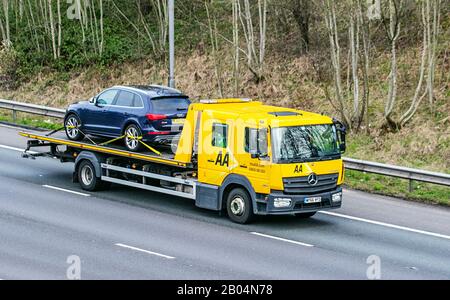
x=178, y=121
x=313, y=200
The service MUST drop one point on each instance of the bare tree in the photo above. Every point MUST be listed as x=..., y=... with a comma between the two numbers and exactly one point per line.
x=52, y=28
x=393, y=33
x=335, y=53
x=433, y=25
x=6, y=32
x=214, y=47
x=365, y=35
x=236, y=46
x=301, y=9
x=157, y=41
x=255, y=58
x=58, y=5
x=430, y=13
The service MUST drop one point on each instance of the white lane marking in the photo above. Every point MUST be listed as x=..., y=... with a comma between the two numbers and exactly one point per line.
x=64, y=190
x=15, y=149
x=281, y=239
x=144, y=251
x=386, y=224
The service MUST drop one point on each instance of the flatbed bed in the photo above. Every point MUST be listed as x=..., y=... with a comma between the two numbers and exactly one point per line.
x=94, y=144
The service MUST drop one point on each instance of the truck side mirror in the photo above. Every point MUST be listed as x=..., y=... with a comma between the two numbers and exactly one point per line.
x=341, y=131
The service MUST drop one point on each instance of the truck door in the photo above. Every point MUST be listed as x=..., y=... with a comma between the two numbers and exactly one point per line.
x=254, y=162
x=214, y=152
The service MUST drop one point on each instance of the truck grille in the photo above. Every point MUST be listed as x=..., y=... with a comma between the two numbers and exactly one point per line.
x=300, y=185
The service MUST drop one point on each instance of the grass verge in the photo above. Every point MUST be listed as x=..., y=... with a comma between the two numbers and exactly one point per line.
x=33, y=122
x=390, y=186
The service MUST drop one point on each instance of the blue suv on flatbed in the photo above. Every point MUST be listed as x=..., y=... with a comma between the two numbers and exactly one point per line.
x=152, y=113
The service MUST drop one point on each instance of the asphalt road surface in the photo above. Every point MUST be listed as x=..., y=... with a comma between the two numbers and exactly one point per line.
x=47, y=223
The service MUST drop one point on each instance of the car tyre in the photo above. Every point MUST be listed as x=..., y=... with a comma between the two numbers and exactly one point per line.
x=239, y=206
x=132, y=135
x=72, y=124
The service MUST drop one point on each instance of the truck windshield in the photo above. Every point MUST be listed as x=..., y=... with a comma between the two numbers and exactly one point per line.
x=305, y=143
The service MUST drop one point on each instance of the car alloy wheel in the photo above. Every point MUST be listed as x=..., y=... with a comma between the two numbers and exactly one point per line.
x=132, y=136
x=72, y=126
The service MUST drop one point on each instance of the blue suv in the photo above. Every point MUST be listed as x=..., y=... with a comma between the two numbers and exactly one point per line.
x=152, y=114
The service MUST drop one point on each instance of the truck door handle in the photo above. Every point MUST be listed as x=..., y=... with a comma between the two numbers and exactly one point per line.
x=243, y=166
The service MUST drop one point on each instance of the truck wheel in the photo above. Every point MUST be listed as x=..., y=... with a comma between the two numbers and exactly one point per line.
x=72, y=126
x=305, y=215
x=87, y=178
x=132, y=135
x=239, y=206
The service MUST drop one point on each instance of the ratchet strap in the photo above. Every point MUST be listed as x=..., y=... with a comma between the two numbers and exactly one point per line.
x=113, y=140
x=139, y=139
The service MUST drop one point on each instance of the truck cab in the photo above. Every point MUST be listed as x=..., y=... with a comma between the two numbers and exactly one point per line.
x=259, y=159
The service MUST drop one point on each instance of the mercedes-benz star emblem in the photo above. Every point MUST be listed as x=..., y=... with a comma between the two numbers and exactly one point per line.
x=312, y=179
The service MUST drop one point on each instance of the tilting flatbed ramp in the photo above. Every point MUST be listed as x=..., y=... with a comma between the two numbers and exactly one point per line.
x=104, y=149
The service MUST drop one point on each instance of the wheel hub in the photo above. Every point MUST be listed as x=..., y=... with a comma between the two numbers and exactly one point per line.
x=237, y=206
x=87, y=175
x=132, y=137
x=72, y=127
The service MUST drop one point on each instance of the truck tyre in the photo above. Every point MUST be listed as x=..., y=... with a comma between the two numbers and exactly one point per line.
x=72, y=126
x=87, y=178
x=132, y=135
x=239, y=206
x=305, y=215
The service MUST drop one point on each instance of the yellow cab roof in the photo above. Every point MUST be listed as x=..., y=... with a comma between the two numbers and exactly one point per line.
x=255, y=111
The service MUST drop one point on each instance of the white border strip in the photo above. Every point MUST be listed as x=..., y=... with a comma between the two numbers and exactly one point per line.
x=64, y=190
x=386, y=225
x=281, y=239
x=144, y=251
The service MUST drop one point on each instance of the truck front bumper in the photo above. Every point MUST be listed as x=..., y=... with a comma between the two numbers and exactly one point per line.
x=279, y=203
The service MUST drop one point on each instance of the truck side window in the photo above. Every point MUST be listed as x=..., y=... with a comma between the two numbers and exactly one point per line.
x=219, y=135
x=256, y=141
x=250, y=140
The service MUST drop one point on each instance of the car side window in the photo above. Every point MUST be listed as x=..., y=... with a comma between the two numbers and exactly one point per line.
x=219, y=135
x=107, y=97
x=125, y=99
x=137, y=102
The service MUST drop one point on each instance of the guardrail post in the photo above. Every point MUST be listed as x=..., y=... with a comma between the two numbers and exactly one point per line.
x=14, y=116
x=411, y=187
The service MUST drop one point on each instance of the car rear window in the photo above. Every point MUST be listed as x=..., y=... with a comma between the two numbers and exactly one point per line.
x=169, y=105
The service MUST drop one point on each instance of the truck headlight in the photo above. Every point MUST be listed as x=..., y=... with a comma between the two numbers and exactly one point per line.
x=336, y=197
x=282, y=202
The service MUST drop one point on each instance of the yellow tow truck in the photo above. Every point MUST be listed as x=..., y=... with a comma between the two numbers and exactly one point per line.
x=233, y=155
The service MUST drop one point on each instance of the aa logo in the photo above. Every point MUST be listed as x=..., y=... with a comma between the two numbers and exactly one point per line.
x=298, y=169
x=223, y=160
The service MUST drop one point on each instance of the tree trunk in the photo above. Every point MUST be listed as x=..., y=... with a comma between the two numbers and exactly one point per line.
x=302, y=15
